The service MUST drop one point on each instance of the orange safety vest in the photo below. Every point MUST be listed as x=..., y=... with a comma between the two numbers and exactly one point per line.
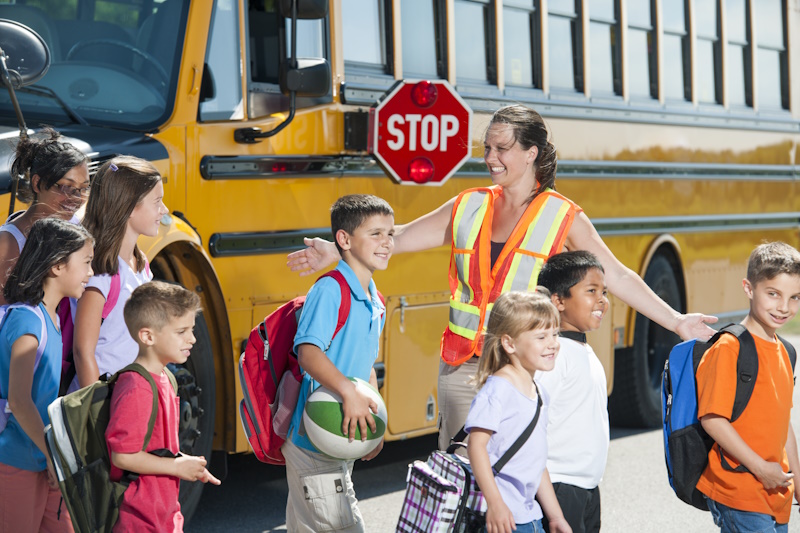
x=474, y=283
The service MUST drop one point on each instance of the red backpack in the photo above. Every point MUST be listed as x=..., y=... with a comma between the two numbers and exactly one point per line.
x=270, y=375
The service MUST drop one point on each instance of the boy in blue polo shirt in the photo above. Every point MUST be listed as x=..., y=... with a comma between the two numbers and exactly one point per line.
x=321, y=495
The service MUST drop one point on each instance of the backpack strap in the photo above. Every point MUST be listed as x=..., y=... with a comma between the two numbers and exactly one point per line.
x=36, y=310
x=113, y=296
x=344, y=306
x=790, y=350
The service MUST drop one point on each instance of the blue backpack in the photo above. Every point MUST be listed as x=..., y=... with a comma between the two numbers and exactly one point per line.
x=686, y=444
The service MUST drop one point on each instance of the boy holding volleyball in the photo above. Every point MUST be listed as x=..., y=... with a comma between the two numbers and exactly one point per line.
x=321, y=495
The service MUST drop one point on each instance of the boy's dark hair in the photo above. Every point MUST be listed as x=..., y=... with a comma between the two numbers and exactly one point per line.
x=156, y=303
x=349, y=212
x=50, y=242
x=771, y=259
x=565, y=270
x=48, y=157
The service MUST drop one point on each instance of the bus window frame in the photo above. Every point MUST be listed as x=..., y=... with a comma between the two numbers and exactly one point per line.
x=615, y=26
x=440, y=41
x=747, y=56
x=716, y=44
x=238, y=114
x=653, y=72
x=783, y=66
x=385, y=40
x=472, y=86
x=578, y=60
x=263, y=98
x=534, y=15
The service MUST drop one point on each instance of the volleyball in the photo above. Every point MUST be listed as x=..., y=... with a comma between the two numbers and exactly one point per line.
x=322, y=418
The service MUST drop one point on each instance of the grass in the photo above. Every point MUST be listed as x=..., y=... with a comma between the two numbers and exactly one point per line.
x=792, y=328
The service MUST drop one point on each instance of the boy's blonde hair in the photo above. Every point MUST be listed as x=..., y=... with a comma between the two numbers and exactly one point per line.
x=771, y=259
x=513, y=314
x=156, y=303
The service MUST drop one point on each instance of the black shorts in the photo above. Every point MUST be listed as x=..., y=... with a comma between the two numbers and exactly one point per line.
x=581, y=507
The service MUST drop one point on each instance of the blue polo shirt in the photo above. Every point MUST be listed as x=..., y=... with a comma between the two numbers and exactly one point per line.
x=355, y=347
x=16, y=447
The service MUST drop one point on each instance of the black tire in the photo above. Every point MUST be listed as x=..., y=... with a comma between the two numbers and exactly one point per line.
x=636, y=398
x=197, y=392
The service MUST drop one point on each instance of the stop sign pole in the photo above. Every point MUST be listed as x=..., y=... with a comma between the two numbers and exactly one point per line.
x=420, y=132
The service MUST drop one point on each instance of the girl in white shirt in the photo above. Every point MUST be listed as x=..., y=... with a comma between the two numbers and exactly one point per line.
x=126, y=202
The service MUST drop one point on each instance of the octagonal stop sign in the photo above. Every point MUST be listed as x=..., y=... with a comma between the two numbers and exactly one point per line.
x=420, y=133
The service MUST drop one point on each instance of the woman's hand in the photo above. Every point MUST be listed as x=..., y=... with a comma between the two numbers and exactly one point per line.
x=318, y=254
x=694, y=326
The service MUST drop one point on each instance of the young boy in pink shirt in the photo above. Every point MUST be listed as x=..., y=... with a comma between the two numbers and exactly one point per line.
x=160, y=317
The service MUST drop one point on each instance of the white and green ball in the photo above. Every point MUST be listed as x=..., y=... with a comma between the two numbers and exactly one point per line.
x=322, y=418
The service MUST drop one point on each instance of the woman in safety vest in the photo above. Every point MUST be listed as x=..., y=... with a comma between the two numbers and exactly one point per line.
x=500, y=237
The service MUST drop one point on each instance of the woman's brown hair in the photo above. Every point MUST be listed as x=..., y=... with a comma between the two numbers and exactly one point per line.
x=530, y=130
x=118, y=186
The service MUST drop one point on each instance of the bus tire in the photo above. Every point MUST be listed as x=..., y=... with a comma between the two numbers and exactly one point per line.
x=636, y=398
x=197, y=393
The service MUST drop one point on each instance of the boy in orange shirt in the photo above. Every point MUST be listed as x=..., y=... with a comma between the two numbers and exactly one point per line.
x=761, y=440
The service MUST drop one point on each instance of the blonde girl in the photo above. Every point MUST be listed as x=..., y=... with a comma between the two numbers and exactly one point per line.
x=521, y=338
x=56, y=264
x=54, y=180
x=126, y=202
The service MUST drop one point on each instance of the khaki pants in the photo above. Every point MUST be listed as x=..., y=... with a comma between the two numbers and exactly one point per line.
x=455, y=394
x=321, y=495
x=28, y=504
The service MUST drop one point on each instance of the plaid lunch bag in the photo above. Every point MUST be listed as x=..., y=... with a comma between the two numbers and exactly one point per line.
x=442, y=495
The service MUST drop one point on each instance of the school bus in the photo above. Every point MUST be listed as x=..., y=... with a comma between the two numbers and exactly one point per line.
x=676, y=124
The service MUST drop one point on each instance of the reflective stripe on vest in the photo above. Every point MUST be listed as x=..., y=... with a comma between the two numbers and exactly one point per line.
x=469, y=216
x=522, y=273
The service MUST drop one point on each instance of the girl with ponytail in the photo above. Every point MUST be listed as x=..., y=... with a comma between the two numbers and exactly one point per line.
x=54, y=181
x=500, y=236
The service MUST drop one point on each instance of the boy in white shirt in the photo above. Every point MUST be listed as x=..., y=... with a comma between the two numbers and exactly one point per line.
x=577, y=429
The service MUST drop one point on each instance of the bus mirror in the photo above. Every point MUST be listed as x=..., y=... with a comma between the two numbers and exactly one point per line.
x=311, y=77
x=306, y=9
x=24, y=55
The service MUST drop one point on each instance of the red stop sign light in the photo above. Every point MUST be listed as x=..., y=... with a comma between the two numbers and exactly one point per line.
x=420, y=132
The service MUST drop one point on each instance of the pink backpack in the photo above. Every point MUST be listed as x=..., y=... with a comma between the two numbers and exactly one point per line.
x=68, y=329
x=270, y=375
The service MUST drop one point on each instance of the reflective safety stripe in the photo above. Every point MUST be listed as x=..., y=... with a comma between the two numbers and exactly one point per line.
x=464, y=319
x=466, y=226
x=523, y=273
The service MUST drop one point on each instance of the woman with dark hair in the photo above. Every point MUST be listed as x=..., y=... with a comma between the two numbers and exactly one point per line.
x=54, y=180
x=55, y=265
x=500, y=237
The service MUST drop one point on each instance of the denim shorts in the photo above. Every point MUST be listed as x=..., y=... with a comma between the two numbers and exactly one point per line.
x=734, y=521
x=531, y=527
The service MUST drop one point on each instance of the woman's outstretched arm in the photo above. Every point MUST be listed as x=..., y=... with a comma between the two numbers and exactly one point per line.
x=426, y=232
x=631, y=289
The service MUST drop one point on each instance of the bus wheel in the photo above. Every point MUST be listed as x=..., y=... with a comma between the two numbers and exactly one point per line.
x=196, y=390
x=636, y=398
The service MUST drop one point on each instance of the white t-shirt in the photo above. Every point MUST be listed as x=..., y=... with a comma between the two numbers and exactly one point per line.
x=115, y=346
x=577, y=428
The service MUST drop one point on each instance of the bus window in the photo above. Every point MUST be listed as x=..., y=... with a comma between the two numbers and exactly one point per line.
x=474, y=60
x=771, y=55
x=604, y=34
x=365, y=35
x=642, y=64
x=424, y=41
x=268, y=38
x=738, y=69
x=675, y=51
x=221, y=97
x=564, y=45
x=708, y=53
x=520, y=48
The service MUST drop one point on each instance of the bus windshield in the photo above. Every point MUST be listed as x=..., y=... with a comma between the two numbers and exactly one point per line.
x=113, y=62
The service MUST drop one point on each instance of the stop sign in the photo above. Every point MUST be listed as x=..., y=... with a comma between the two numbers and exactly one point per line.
x=420, y=133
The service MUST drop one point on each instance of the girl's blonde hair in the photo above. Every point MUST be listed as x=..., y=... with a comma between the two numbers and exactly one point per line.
x=513, y=314
x=119, y=185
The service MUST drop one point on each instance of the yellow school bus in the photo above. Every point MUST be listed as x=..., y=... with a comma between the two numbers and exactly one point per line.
x=676, y=123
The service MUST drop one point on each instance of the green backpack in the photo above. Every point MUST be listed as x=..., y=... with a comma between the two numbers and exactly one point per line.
x=76, y=443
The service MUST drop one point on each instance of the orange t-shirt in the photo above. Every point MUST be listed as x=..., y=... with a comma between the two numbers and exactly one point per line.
x=763, y=425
